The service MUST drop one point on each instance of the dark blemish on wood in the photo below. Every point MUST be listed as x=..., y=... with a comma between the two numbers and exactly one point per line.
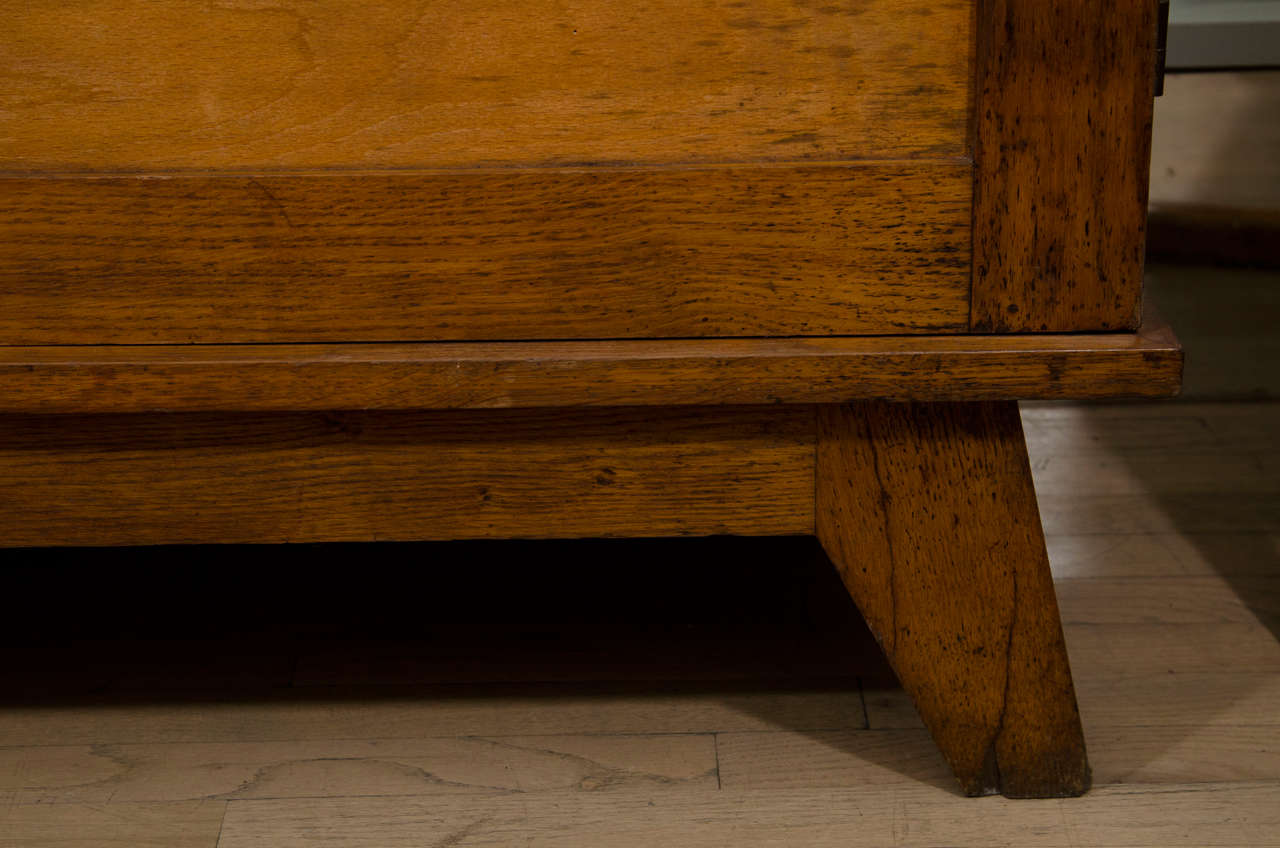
x=798, y=138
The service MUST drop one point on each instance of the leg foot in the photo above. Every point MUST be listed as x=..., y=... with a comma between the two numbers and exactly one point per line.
x=929, y=514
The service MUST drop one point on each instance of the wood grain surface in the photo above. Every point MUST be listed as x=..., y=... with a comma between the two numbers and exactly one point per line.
x=533, y=374
x=358, y=767
x=929, y=514
x=1062, y=146
x=1220, y=814
x=848, y=817
x=1119, y=699
x=156, y=479
x=1151, y=756
x=184, y=824
x=139, y=84
x=494, y=255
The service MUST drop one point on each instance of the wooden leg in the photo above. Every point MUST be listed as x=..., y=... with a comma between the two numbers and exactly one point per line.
x=929, y=513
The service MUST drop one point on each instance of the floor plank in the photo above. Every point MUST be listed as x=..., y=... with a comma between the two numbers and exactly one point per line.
x=1103, y=650
x=1176, y=600
x=1153, y=755
x=1164, y=554
x=905, y=815
x=1174, y=427
x=1187, y=513
x=97, y=774
x=1170, y=428
x=185, y=824
x=1138, y=700
x=1201, y=472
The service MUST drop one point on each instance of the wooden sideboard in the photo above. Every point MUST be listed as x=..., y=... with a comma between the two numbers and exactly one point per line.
x=320, y=270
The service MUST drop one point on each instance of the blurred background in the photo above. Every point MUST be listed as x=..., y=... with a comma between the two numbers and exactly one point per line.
x=1214, y=239
x=1224, y=34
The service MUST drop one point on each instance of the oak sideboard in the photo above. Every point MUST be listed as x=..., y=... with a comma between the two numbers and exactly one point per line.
x=321, y=270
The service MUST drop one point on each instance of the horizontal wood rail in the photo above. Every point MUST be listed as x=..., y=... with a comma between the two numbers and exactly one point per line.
x=191, y=378
x=269, y=478
x=465, y=255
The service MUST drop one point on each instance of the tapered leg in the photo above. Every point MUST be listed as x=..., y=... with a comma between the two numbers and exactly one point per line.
x=929, y=513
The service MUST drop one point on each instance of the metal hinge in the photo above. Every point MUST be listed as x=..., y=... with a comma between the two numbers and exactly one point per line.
x=1162, y=43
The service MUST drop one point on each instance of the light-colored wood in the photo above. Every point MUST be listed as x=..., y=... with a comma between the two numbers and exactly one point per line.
x=1166, y=755
x=1149, y=473
x=489, y=255
x=183, y=824
x=1164, y=554
x=1136, y=431
x=1148, y=674
x=1161, y=465
x=929, y=514
x=1062, y=143
x=824, y=758
x=1182, y=755
x=1132, y=666
x=1190, y=513
x=1184, y=600
x=169, y=479
x=1123, y=430
x=1173, y=648
x=533, y=374
x=1139, y=701
x=360, y=767
x=1220, y=815
x=139, y=84
x=1156, y=700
